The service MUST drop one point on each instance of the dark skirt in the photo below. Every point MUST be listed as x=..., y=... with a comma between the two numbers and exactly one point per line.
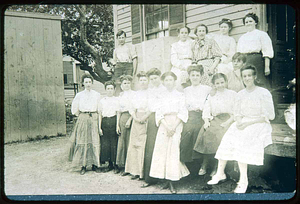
x=109, y=139
x=189, y=135
x=258, y=61
x=150, y=142
x=123, y=140
x=84, y=141
x=209, y=140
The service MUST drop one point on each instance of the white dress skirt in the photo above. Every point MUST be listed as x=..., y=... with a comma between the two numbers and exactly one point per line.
x=247, y=145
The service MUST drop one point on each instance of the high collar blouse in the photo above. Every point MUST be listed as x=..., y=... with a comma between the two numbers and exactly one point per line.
x=195, y=97
x=139, y=101
x=181, y=51
x=206, y=48
x=254, y=42
x=155, y=94
x=109, y=106
x=125, y=99
x=221, y=102
x=86, y=101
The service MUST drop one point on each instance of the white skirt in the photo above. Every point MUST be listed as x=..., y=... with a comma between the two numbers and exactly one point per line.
x=245, y=146
x=165, y=160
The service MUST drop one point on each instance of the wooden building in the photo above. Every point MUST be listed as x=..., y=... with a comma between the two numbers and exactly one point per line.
x=153, y=28
x=34, y=90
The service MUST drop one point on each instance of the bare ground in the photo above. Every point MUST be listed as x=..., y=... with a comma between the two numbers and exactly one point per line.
x=41, y=168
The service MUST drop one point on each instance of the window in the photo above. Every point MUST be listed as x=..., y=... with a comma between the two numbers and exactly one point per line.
x=156, y=21
x=65, y=79
x=151, y=21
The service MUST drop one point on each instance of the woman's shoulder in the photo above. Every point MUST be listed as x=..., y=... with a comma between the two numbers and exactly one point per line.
x=262, y=90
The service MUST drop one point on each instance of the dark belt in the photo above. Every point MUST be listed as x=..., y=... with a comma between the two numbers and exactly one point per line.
x=89, y=112
x=253, y=53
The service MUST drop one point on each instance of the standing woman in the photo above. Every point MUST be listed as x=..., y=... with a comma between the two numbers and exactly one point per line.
x=195, y=97
x=257, y=45
x=85, y=140
x=124, y=122
x=136, y=149
x=169, y=118
x=181, y=56
x=217, y=116
x=155, y=94
x=206, y=52
x=247, y=137
x=227, y=45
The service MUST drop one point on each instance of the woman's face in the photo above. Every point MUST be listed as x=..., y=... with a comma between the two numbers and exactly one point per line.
x=195, y=78
x=248, y=77
x=154, y=80
x=201, y=32
x=224, y=28
x=110, y=90
x=220, y=84
x=87, y=82
x=250, y=23
x=183, y=34
x=169, y=82
x=126, y=85
x=121, y=39
x=143, y=81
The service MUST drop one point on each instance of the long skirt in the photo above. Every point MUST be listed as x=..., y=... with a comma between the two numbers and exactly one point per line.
x=206, y=77
x=136, y=149
x=209, y=140
x=85, y=141
x=257, y=60
x=166, y=163
x=189, y=135
x=150, y=142
x=123, y=140
x=109, y=139
x=247, y=145
x=122, y=68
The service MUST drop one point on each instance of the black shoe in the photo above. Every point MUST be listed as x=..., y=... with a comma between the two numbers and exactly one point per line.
x=145, y=185
x=133, y=177
x=94, y=167
x=116, y=170
x=165, y=186
x=124, y=174
x=83, y=170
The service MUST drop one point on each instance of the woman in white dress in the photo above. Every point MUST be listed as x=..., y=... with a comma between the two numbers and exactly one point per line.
x=139, y=112
x=247, y=137
x=227, y=45
x=181, y=56
x=169, y=117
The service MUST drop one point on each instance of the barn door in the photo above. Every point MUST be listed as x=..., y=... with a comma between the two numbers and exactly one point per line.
x=281, y=28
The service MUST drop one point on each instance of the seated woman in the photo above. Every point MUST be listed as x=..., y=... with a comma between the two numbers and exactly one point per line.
x=206, y=52
x=181, y=56
x=217, y=116
x=139, y=112
x=169, y=118
x=247, y=137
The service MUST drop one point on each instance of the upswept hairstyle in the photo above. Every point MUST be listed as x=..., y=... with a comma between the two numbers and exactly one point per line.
x=196, y=28
x=251, y=15
x=168, y=74
x=240, y=57
x=141, y=74
x=109, y=83
x=249, y=67
x=196, y=68
x=227, y=21
x=153, y=71
x=218, y=76
x=120, y=32
x=84, y=76
x=178, y=29
x=126, y=78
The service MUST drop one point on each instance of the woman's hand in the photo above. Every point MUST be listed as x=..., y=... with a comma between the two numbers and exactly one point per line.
x=267, y=66
x=170, y=132
x=118, y=130
x=206, y=124
x=242, y=126
x=100, y=132
x=128, y=123
x=225, y=124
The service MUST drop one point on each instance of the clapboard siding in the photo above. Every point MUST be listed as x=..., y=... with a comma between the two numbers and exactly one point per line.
x=33, y=102
x=123, y=16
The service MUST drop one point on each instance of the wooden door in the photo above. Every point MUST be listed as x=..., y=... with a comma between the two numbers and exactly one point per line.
x=281, y=28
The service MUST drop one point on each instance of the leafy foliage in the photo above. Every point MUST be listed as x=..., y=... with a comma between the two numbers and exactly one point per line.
x=99, y=33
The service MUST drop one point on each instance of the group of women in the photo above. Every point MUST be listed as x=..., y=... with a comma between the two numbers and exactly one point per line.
x=187, y=110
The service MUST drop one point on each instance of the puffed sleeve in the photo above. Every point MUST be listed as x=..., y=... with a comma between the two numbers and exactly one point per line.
x=174, y=58
x=183, y=113
x=266, y=45
x=207, y=109
x=237, y=106
x=75, y=105
x=133, y=52
x=267, y=105
x=216, y=50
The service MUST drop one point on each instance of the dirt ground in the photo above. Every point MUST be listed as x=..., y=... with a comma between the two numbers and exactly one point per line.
x=41, y=168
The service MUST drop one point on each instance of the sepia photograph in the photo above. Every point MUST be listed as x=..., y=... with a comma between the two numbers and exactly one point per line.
x=149, y=102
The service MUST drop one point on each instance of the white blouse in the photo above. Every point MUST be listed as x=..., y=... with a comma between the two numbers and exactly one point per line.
x=195, y=97
x=256, y=41
x=139, y=101
x=109, y=106
x=258, y=103
x=221, y=102
x=227, y=45
x=172, y=102
x=86, y=101
x=155, y=95
x=124, y=53
x=180, y=52
x=124, y=100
